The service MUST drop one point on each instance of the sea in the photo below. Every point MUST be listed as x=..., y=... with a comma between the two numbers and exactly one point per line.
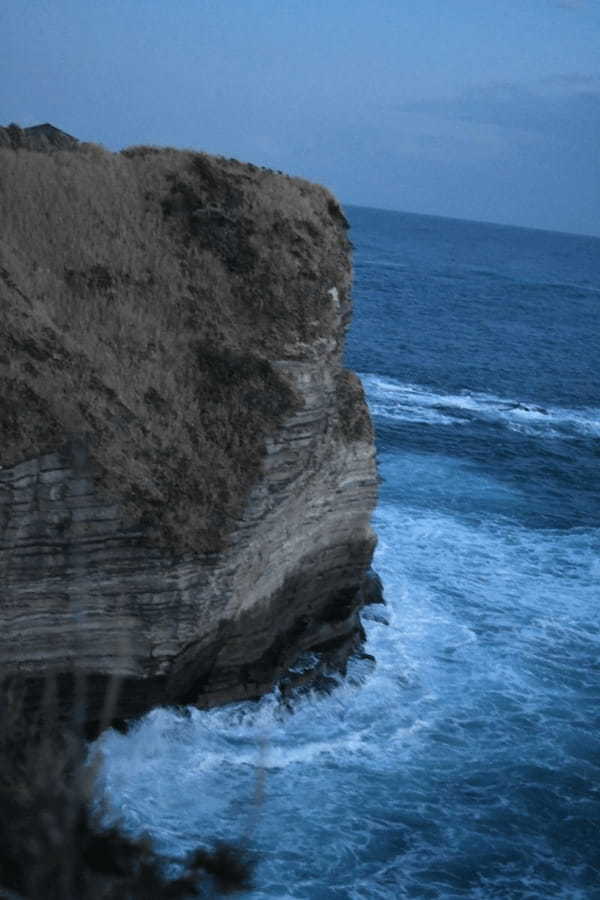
x=464, y=761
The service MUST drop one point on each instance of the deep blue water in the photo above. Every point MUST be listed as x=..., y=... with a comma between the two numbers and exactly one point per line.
x=466, y=763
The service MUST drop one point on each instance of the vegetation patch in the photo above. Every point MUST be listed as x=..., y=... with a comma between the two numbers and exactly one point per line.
x=143, y=296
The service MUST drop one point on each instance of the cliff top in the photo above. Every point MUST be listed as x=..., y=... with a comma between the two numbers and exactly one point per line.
x=144, y=297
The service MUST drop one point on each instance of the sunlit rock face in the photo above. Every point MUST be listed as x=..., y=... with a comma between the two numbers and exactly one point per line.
x=187, y=468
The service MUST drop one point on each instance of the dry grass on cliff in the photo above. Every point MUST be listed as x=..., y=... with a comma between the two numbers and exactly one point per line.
x=141, y=297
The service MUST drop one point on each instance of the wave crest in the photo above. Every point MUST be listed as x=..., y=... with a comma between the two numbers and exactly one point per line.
x=404, y=402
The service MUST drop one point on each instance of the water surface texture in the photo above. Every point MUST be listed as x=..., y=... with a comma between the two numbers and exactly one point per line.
x=466, y=762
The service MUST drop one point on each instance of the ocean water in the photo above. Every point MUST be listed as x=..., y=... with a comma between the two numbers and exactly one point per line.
x=464, y=763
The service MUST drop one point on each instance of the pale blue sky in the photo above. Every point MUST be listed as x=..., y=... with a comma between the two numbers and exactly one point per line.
x=483, y=110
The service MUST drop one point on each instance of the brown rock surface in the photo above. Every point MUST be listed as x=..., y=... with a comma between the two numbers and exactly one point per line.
x=187, y=468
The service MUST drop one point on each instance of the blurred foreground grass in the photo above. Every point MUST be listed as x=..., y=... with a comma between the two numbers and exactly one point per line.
x=52, y=842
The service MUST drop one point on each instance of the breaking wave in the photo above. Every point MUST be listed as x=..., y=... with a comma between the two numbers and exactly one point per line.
x=398, y=401
x=464, y=764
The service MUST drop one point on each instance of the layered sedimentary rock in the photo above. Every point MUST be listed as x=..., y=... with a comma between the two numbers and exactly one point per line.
x=187, y=468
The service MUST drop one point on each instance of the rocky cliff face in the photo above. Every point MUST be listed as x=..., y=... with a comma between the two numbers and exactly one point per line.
x=187, y=469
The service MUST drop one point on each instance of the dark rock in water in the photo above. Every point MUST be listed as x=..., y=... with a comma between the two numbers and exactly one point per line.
x=522, y=407
x=373, y=616
x=372, y=589
x=188, y=470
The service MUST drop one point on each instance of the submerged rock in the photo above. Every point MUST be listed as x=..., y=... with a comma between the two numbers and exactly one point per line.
x=187, y=468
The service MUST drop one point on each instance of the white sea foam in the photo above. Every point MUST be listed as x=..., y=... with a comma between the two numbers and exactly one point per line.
x=473, y=730
x=399, y=401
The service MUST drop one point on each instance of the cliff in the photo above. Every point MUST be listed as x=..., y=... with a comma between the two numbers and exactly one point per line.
x=187, y=469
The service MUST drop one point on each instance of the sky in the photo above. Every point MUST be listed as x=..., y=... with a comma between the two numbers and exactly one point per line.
x=484, y=110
